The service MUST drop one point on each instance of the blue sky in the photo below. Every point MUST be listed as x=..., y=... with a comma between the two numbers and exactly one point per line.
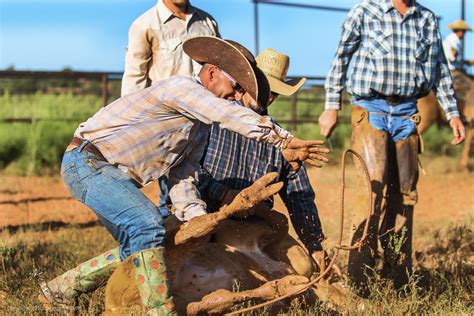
x=91, y=34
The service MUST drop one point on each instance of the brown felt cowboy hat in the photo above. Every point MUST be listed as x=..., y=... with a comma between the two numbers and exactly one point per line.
x=234, y=59
x=459, y=25
x=275, y=66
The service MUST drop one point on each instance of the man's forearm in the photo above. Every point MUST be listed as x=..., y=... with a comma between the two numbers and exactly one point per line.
x=298, y=197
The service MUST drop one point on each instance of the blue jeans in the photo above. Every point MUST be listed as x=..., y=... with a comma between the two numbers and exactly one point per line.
x=132, y=219
x=397, y=127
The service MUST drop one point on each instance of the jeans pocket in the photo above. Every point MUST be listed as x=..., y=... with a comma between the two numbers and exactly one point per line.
x=73, y=183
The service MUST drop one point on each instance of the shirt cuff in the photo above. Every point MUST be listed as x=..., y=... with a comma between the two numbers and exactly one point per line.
x=189, y=212
x=280, y=137
x=452, y=114
x=333, y=100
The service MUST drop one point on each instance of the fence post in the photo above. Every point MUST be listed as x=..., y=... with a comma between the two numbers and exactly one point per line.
x=294, y=118
x=105, y=89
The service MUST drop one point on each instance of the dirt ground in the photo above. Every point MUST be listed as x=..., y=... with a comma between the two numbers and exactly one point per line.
x=446, y=196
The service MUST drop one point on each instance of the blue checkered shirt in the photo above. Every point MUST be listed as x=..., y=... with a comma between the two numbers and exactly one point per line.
x=235, y=162
x=394, y=56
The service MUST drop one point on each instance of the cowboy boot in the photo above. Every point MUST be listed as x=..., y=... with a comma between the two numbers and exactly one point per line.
x=149, y=272
x=371, y=144
x=86, y=277
x=397, y=226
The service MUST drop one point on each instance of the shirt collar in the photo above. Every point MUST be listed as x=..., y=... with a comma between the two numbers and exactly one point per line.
x=387, y=5
x=198, y=79
x=165, y=13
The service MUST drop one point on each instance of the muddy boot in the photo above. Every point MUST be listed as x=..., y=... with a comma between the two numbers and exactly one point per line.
x=149, y=272
x=64, y=290
x=396, y=230
x=372, y=145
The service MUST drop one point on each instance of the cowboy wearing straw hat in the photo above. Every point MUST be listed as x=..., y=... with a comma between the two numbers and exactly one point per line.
x=226, y=169
x=453, y=44
x=139, y=137
x=453, y=51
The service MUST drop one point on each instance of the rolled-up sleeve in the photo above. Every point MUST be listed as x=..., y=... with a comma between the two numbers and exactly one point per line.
x=183, y=185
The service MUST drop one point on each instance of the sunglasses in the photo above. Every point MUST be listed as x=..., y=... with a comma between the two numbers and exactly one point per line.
x=235, y=85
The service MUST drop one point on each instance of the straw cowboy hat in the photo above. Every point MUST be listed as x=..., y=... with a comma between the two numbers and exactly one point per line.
x=234, y=59
x=459, y=25
x=275, y=66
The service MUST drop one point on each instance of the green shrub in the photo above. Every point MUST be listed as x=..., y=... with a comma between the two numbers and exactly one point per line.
x=37, y=147
x=12, y=143
x=438, y=141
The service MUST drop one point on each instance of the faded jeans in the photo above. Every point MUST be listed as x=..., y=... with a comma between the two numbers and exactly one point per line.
x=397, y=127
x=132, y=219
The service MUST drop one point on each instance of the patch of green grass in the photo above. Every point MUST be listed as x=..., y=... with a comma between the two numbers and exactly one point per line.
x=28, y=149
x=27, y=256
x=37, y=147
x=438, y=141
x=49, y=106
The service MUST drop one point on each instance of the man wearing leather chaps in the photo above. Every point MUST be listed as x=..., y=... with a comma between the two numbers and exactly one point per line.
x=386, y=137
x=398, y=58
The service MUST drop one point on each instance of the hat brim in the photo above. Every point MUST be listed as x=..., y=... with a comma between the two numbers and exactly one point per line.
x=285, y=88
x=215, y=51
x=455, y=27
x=468, y=29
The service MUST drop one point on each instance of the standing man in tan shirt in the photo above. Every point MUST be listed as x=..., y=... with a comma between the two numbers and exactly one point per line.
x=155, y=50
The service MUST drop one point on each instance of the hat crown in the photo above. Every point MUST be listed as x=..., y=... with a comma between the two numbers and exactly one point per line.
x=459, y=25
x=273, y=63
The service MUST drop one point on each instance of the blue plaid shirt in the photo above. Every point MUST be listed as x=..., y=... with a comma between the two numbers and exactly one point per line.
x=394, y=56
x=235, y=162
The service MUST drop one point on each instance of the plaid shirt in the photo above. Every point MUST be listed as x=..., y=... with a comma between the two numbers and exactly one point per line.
x=165, y=128
x=394, y=56
x=235, y=162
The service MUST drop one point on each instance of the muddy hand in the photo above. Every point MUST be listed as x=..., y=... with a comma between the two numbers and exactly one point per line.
x=259, y=191
x=199, y=228
x=309, y=151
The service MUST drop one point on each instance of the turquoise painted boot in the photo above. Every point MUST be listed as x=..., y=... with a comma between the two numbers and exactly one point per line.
x=64, y=290
x=149, y=272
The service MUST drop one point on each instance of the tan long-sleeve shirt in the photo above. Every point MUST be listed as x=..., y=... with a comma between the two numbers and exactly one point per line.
x=155, y=49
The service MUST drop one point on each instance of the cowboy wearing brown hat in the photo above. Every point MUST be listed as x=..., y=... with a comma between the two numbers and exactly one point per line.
x=139, y=137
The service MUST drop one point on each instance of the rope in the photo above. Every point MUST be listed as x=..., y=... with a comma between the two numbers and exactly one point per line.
x=357, y=245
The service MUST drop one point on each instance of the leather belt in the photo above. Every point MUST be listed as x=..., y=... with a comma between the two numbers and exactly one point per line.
x=76, y=142
x=393, y=99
